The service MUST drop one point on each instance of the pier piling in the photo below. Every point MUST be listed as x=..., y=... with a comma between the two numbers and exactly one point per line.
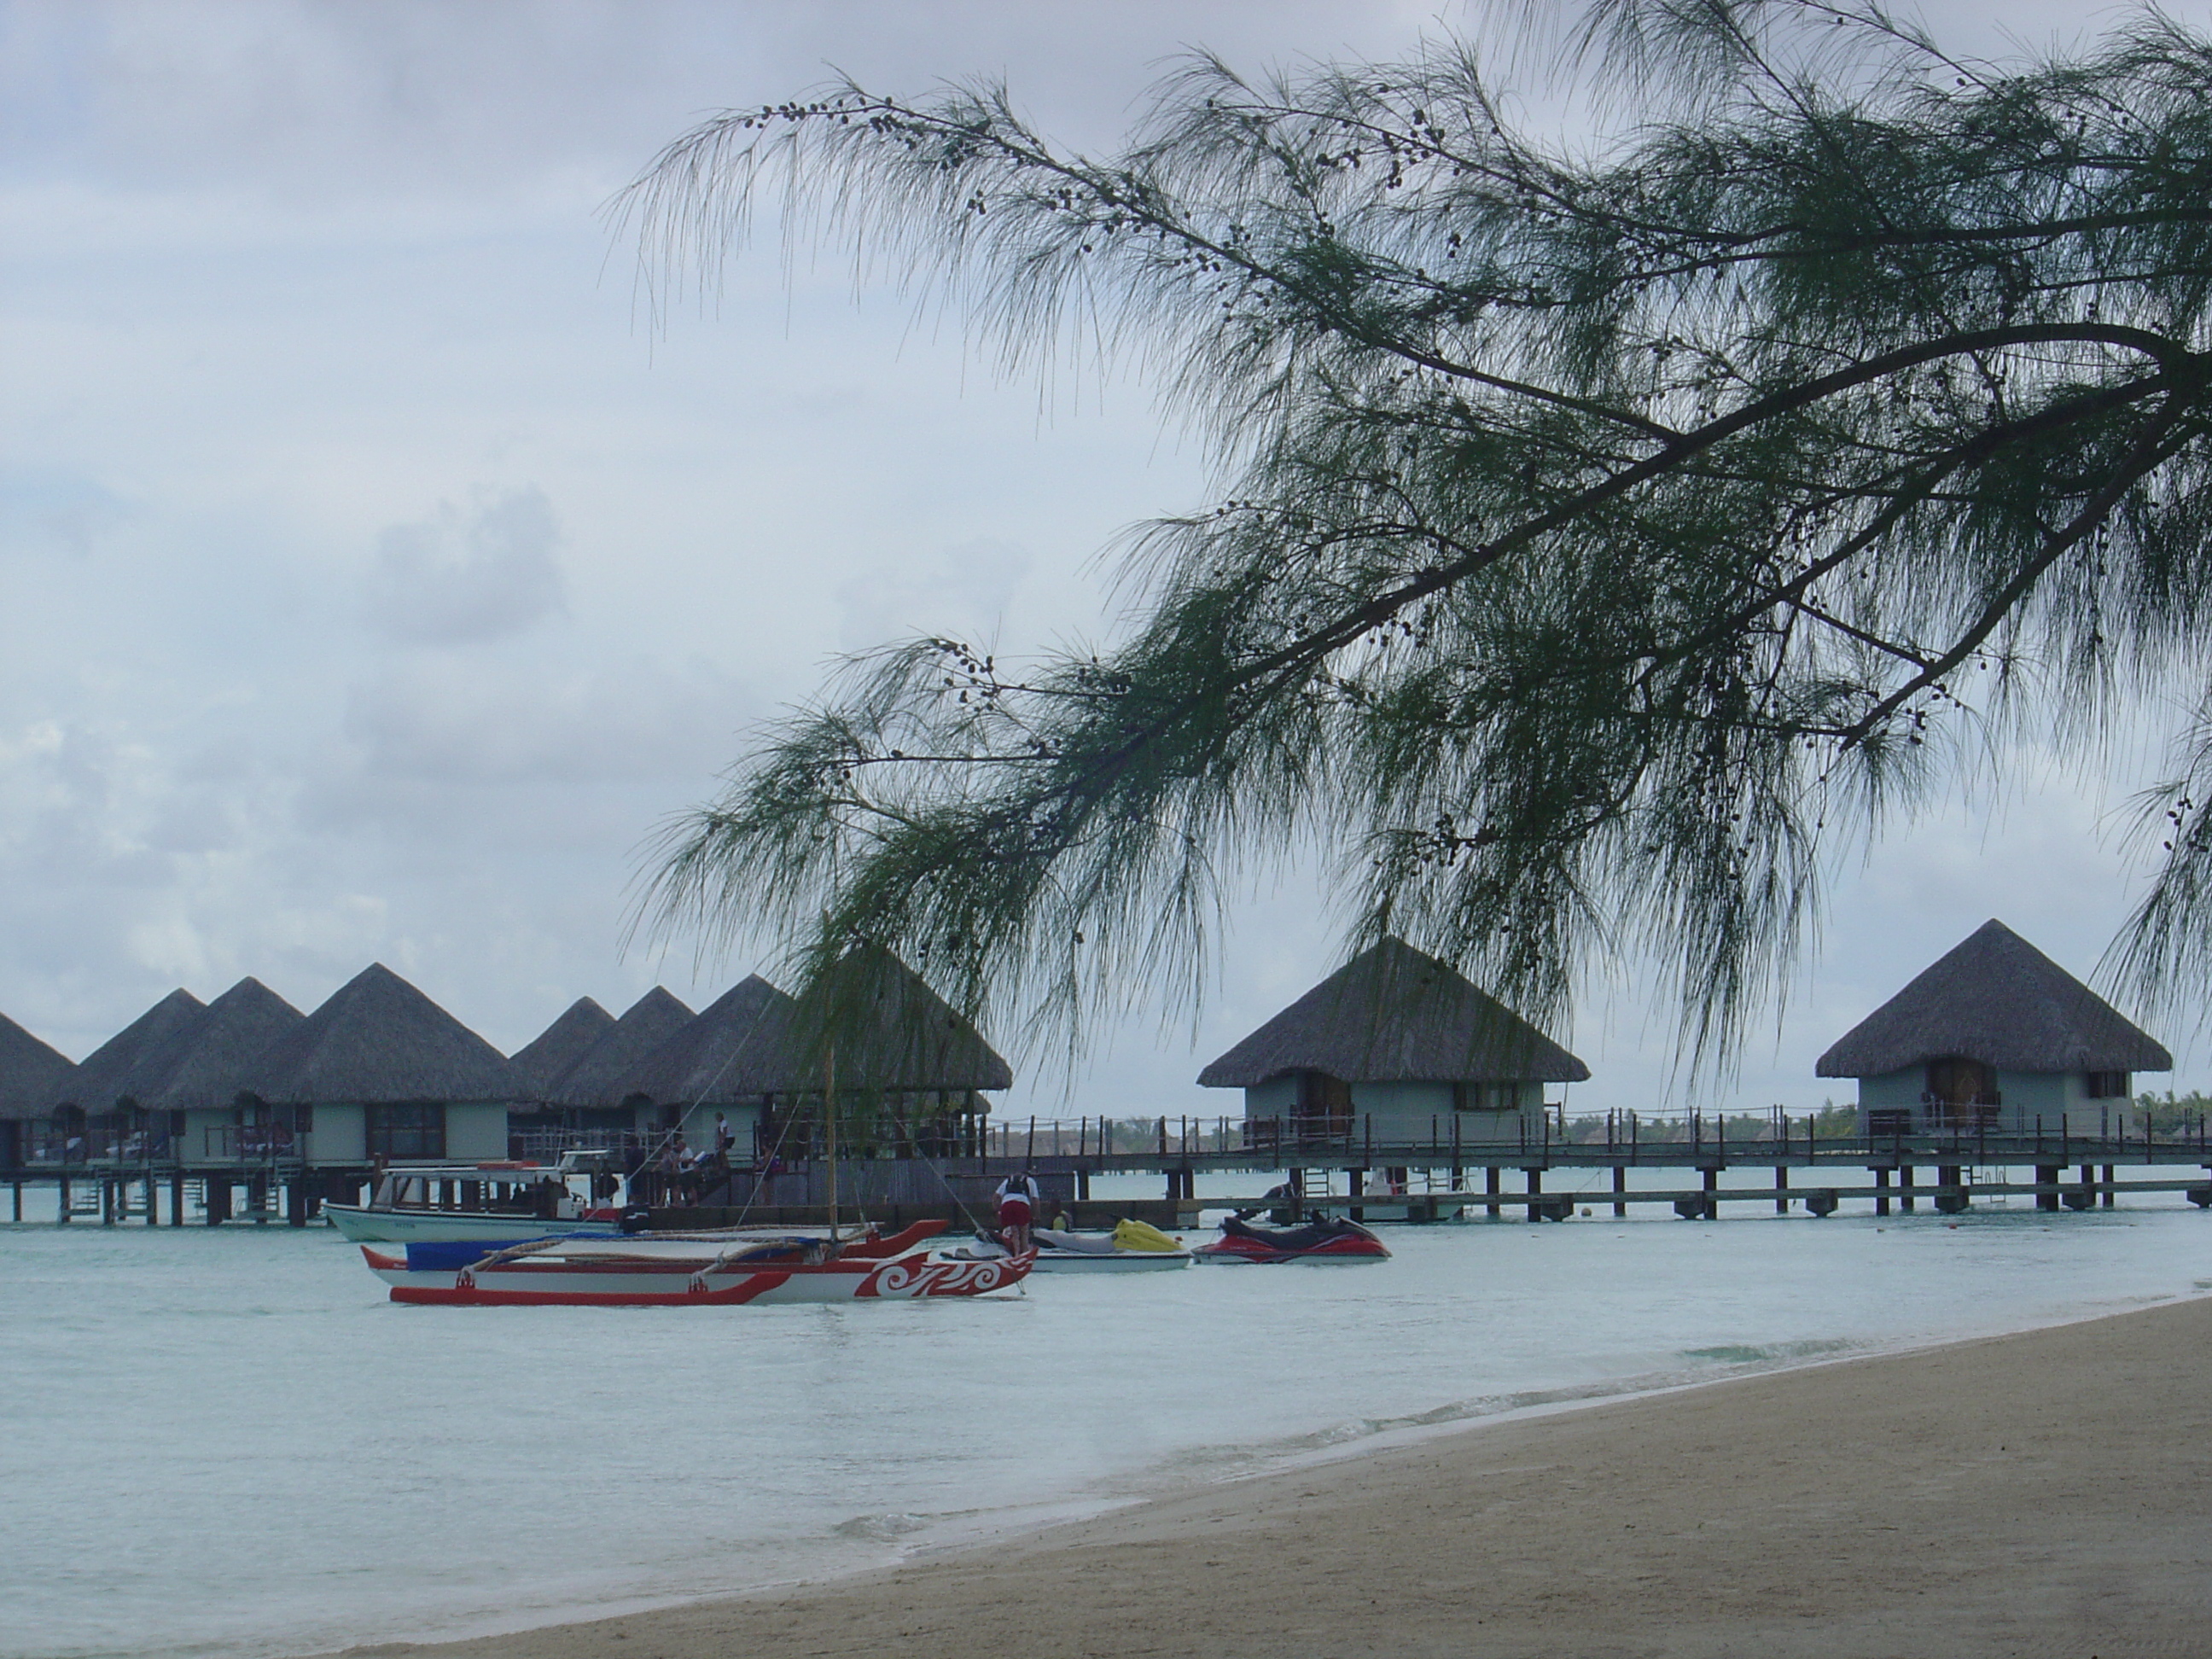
x=2046, y=1175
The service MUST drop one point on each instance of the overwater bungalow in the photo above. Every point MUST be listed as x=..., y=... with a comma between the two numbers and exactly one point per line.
x=1395, y=1048
x=1997, y=1036
x=34, y=1078
x=380, y=1071
x=582, y=1105
x=909, y=1074
x=186, y=1091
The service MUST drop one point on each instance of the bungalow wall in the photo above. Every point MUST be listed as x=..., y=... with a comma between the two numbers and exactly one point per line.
x=476, y=1132
x=2060, y=1100
x=340, y=1134
x=1403, y=1112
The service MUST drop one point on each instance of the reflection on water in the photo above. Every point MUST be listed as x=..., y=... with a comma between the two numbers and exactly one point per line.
x=225, y=1441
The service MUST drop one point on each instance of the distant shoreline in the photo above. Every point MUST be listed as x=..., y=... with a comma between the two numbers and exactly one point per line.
x=2017, y=1494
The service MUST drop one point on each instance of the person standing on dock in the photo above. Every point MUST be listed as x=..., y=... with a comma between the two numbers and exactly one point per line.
x=1018, y=1199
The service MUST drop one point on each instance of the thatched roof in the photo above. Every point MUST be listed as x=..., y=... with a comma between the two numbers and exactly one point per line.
x=733, y=1049
x=34, y=1077
x=1395, y=1015
x=137, y=1056
x=1996, y=999
x=594, y=1077
x=378, y=1039
x=555, y=1049
x=887, y=1029
x=205, y=1067
x=880, y=1025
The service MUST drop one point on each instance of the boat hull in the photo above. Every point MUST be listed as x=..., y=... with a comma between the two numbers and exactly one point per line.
x=1123, y=1261
x=693, y=1282
x=363, y=1225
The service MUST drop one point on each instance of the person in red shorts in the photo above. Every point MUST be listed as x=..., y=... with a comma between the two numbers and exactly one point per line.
x=1017, y=1206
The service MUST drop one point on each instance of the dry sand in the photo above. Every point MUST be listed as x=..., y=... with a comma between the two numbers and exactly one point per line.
x=2043, y=1493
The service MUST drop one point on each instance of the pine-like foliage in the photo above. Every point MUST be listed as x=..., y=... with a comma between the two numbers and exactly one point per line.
x=1603, y=535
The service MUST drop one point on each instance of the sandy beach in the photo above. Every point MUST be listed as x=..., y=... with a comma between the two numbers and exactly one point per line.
x=2040, y=1493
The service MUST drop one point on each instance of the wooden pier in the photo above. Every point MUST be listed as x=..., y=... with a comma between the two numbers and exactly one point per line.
x=1424, y=1180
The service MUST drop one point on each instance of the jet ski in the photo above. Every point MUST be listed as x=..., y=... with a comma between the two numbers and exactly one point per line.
x=1322, y=1240
x=1132, y=1247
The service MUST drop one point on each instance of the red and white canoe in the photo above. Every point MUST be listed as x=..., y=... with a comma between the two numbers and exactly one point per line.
x=695, y=1270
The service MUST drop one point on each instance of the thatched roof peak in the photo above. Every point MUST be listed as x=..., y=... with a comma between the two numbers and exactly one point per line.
x=378, y=1039
x=887, y=1029
x=204, y=1068
x=594, y=1077
x=555, y=1049
x=731, y=1049
x=137, y=1057
x=1394, y=1014
x=1996, y=998
x=34, y=1076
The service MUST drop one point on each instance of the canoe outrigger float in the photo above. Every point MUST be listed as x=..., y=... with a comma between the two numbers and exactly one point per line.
x=1133, y=1246
x=690, y=1270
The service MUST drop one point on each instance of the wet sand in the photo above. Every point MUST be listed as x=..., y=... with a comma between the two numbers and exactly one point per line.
x=2047, y=1493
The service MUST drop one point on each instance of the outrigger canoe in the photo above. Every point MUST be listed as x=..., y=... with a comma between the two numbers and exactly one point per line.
x=690, y=1270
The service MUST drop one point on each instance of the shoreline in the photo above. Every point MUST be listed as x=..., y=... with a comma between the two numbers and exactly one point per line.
x=1850, y=1503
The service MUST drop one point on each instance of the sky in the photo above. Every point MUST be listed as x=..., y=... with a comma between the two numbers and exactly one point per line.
x=380, y=575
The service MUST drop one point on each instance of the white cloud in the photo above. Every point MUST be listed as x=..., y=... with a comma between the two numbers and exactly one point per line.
x=461, y=578
x=961, y=592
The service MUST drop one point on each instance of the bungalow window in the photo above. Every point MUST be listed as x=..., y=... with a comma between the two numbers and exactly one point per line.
x=1485, y=1096
x=396, y=1132
x=2108, y=1085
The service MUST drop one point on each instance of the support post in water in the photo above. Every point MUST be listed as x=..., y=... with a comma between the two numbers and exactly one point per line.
x=1781, y=1190
x=1535, y=1179
x=2046, y=1175
x=1619, y=1186
x=2109, y=1195
x=1490, y=1184
x=2084, y=1197
x=1881, y=1191
x=1904, y=1187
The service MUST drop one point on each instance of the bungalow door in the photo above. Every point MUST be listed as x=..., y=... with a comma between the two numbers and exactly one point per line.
x=1960, y=1093
x=1324, y=1107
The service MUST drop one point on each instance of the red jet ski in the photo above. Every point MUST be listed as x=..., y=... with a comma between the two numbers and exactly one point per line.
x=1316, y=1241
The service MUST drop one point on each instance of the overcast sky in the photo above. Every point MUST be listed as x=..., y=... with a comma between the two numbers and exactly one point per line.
x=378, y=579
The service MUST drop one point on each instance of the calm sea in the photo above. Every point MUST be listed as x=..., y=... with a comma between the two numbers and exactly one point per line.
x=226, y=1440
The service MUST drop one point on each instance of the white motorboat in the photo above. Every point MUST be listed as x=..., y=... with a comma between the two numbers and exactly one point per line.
x=502, y=1203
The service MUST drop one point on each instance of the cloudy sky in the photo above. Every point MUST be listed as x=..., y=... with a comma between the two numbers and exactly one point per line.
x=378, y=578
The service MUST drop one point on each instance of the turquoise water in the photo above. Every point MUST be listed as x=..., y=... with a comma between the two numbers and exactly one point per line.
x=225, y=1441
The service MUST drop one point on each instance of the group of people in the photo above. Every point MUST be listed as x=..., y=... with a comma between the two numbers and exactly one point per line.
x=687, y=1175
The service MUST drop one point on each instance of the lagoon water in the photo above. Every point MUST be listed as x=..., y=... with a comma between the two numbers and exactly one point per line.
x=226, y=1440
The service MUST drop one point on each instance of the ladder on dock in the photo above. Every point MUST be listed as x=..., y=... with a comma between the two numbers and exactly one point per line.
x=84, y=1198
